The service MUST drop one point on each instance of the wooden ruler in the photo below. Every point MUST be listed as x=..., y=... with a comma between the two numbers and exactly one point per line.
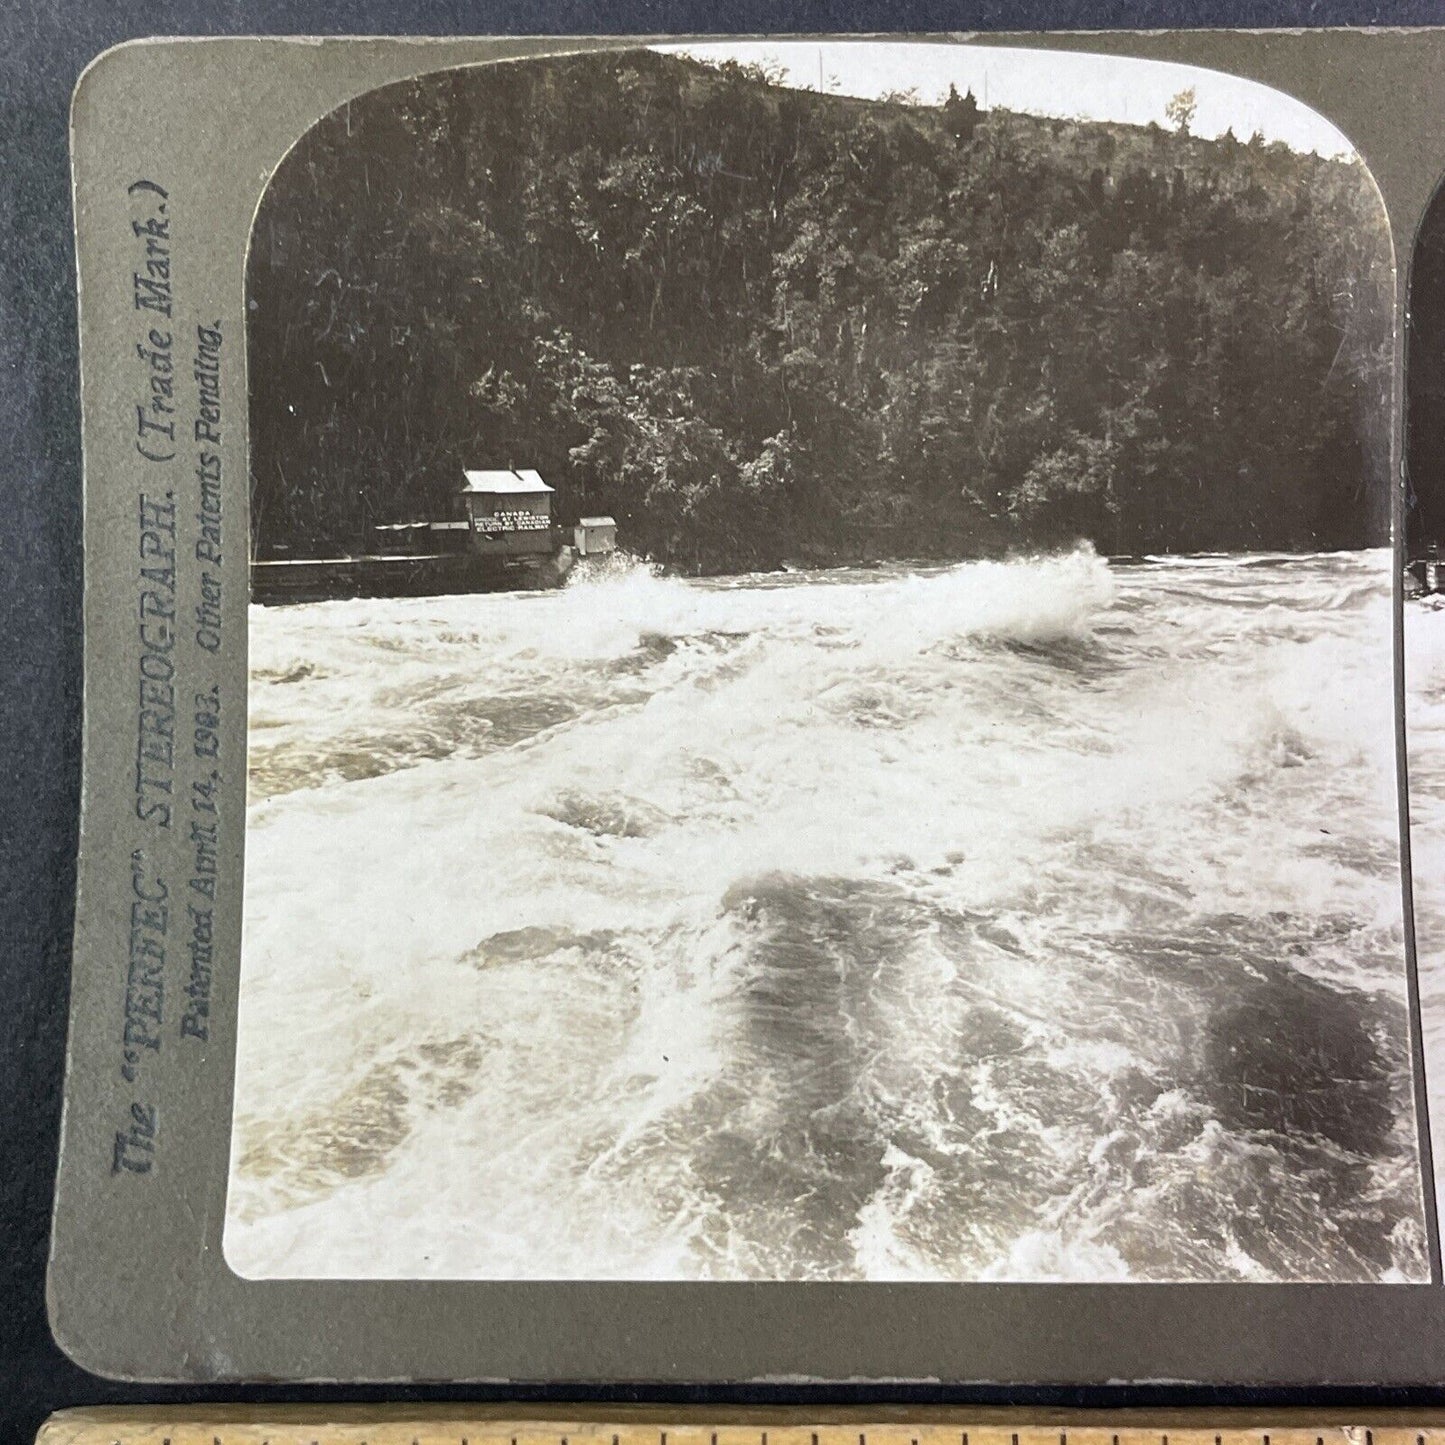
x=458, y=1425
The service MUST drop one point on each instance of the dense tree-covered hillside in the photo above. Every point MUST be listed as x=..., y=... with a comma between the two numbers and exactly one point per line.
x=756, y=323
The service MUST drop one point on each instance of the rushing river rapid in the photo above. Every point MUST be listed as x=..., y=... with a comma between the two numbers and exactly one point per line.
x=1024, y=921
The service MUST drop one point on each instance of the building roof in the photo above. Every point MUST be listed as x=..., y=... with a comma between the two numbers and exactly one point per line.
x=596, y=522
x=495, y=483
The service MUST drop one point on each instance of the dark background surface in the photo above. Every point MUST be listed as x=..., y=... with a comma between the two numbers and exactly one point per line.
x=43, y=47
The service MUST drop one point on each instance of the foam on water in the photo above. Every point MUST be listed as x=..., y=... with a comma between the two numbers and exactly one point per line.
x=1007, y=921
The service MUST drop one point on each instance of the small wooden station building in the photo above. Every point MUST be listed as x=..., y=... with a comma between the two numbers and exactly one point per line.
x=510, y=512
x=505, y=537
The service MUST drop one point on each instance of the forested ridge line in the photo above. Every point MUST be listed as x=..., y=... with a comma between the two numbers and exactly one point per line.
x=757, y=323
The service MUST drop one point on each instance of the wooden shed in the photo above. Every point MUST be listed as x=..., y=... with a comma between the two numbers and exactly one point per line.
x=594, y=536
x=509, y=512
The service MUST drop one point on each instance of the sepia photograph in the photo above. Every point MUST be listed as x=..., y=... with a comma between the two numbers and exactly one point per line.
x=821, y=695
x=1423, y=627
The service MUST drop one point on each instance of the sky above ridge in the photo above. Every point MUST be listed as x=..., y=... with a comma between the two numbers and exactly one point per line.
x=1051, y=83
